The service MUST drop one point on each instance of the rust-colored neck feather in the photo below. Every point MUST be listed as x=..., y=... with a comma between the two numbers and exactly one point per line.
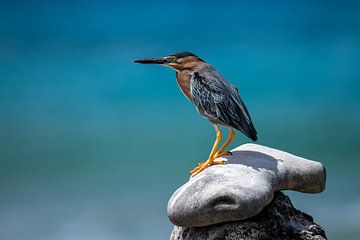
x=183, y=79
x=184, y=73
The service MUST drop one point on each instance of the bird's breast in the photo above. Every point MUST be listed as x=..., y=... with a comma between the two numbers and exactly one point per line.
x=183, y=79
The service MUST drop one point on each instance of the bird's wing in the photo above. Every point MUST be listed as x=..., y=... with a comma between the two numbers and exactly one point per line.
x=213, y=96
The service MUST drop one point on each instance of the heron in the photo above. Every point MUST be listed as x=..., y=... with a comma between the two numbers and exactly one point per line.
x=214, y=97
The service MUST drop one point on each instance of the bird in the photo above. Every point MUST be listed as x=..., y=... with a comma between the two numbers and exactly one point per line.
x=214, y=97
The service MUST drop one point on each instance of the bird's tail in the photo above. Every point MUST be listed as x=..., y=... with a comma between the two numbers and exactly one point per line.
x=252, y=133
x=247, y=128
x=244, y=124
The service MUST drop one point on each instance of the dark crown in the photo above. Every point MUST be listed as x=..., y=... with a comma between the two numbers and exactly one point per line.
x=183, y=54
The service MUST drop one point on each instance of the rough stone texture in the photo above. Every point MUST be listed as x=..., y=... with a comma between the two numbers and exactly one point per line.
x=241, y=188
x=279, y=220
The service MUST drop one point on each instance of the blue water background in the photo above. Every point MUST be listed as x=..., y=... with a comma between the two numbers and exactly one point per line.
x=92, y=145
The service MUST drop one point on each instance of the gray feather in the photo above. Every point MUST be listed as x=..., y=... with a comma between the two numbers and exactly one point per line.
x=219, y=101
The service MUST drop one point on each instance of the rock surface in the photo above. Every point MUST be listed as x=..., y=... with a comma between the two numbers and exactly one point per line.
x=279, y=220
x=241, y=188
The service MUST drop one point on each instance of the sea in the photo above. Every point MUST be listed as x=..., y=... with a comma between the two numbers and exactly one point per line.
x=93, y=145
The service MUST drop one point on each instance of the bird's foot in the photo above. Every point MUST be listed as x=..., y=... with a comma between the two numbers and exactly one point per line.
x=220, y=154
x=199, y=163
x=203, y=165
x=217, y=155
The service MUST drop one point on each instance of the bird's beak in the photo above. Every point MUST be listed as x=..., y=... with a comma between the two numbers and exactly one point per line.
x=162, y=60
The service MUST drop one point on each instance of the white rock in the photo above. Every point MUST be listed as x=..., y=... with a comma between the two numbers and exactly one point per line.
x=241, y=188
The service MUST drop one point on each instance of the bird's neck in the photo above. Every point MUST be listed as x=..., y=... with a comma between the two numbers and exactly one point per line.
x=183, y=79
x=184, y=75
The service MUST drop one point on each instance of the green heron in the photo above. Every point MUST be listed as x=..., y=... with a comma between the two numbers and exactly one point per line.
x=214, y=98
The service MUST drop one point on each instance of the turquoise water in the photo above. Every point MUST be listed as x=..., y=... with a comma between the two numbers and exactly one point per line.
x=92, y=145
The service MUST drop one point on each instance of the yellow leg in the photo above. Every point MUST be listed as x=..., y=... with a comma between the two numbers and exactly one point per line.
x=213, y=150
x=221, y=151
x=210, y=161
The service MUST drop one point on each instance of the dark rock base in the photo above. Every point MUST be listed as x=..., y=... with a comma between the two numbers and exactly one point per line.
x=279, y=220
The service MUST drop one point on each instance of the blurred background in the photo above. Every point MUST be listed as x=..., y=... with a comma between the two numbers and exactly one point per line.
x=92, y=145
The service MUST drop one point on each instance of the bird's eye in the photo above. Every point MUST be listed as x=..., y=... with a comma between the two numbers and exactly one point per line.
x=173, y=59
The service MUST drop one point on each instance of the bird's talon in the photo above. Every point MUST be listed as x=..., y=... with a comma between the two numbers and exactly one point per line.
x=216, y=161
x=197, y=168
x=206, y=164
x=220, y=154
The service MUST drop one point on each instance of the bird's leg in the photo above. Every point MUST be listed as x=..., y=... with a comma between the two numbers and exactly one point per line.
x=216, y=144
x=210, y=160
x=222, y=151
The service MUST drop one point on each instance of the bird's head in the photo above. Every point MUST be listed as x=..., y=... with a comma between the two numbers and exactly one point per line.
x=178, y=61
